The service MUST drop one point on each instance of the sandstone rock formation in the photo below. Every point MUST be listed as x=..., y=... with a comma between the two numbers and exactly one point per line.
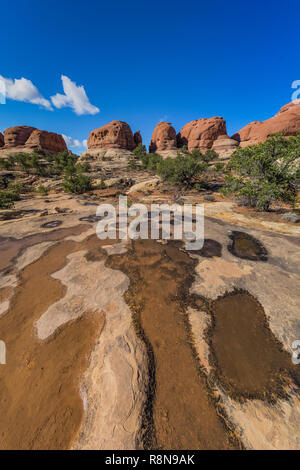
x=137, y=138
x=116, y=134
x=287, y=121
x=163, y=137
x=17, y=136
x=27, y=139
x=113, y=161
x=145, y=186
x=45, y=140
x=201, y=133
x=224, y=145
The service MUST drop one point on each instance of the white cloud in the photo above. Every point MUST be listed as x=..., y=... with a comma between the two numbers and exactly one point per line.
x=23, y=89
x=74, y=142
x=75, y=97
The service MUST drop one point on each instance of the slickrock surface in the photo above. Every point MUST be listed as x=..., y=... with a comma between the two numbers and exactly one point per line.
x=82, y=374
x=117, y=371
x=145, y=186
x=287, y=121
x=163, y=138
x=201, y=133
x=116, y=134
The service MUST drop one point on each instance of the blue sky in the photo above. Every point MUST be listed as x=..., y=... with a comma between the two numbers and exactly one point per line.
x=142, y=62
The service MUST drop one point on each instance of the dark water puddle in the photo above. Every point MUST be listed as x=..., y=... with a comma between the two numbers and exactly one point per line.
x=11, y=247
x=52, y=224
x=91, y=218
x=245, y=246
x=210, y=249
x=248, y=359
x=180, y=412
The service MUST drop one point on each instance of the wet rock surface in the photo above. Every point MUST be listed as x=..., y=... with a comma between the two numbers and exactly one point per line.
x=52, y=224
x=117, y=386
x=245, y=246
x=248, y=360
x=210, y=248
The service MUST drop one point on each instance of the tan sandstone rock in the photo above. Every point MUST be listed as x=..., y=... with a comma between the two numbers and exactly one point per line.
x=163, y=137
x=287, y=121
x=1, y=140
x=17, y=136
x=116, y=134
x=45, y=140
x=224, y=146
x=145, y=186
x=201, y=133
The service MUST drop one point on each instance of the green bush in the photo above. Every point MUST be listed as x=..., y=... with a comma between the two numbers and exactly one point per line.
x=43, y=190
x=133, y=164
x=85, y=167
x=150, y=161
x=210, y=156
x=7, y=198
x=139, y=151
x=6, y=164
x=219, y=167
x=267, y=172
x=76, y=183
x=182, y=170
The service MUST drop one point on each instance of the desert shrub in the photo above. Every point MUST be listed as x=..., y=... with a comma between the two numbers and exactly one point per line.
x=266, y=172
x=101, y=185
x=150, y=161
x=182, y=170
x=139, y=151
x=210, y=155
x=76, y=183
x=23, y=162
x=184, y=149
x=16, y=186
x=133, y=164
x=63, y=160
x=3, y=182
x=219, y=167
x=85, y=167
x=43, y=190
x=6, y=164
x=7, y=198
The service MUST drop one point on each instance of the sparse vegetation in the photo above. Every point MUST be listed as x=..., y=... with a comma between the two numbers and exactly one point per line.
x=43, y=190
x=62, y=164
x=76, y=183
x=140, y=151
x=7, y=198
x=184, y=170
x=187, y=169
x=267, y=172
